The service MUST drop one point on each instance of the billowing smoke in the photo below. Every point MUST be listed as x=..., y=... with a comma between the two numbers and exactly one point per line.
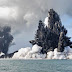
x=50, y=41
x=23, y=16
x=5, y=39
x=53, y=35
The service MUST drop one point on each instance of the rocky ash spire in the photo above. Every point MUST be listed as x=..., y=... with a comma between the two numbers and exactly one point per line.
x=52, y=36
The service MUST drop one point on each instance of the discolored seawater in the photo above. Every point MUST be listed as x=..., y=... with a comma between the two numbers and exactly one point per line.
x=7, y=65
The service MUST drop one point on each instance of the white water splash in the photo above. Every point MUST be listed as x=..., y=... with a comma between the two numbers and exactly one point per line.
x=1, y=53
x=66, y=54
x=29, y=53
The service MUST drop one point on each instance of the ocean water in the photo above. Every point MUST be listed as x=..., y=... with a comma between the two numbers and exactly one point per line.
x=8, y=65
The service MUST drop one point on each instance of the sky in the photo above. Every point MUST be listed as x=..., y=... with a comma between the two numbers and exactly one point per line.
x=23, y=17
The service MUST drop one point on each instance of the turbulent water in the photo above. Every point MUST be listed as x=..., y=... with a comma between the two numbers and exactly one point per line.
x=35, y=65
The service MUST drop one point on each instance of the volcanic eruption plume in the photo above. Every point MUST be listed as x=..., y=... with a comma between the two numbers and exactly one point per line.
x=5, y=39
x=52, y=34
x=50, y=41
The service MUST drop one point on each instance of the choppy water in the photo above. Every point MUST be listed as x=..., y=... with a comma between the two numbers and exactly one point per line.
x=35, y=65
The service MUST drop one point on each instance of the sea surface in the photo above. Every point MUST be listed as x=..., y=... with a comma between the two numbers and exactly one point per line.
x=9, y=65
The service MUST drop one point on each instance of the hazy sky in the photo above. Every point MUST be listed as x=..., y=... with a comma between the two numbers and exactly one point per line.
x=23, y=17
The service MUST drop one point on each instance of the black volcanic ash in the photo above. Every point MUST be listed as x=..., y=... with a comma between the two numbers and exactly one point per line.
x=53, y=35
x=5, y=39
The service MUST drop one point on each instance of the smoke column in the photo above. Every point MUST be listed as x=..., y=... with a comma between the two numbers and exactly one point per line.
x=5, y=39
x=63, y=51
x=23, y=17
x=35, y=52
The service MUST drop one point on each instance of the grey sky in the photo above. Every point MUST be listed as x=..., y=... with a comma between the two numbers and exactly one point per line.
x=23, y=17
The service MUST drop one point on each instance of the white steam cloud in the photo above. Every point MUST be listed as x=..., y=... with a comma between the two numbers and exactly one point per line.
x=34, y=53
x=29, y=53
